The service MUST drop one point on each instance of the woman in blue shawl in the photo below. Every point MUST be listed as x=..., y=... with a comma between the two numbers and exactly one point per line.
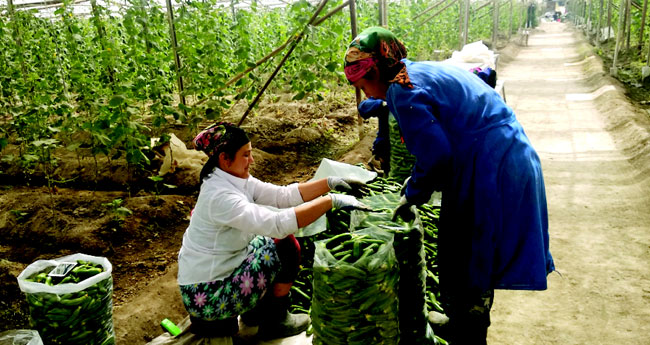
x=493, y=231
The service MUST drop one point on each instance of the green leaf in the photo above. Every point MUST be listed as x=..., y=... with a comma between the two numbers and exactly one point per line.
x=308, y=58
x=332, y=66
x=30, y=158
x=73, y=146
x=159, y=120
x=123, y=211
x=44, y=142
x=300, y=95
x=182, y=106
x=102, y=139
x=117, y=100
x=307, y=75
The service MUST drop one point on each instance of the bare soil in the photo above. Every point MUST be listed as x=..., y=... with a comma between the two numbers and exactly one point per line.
x=77, y=215
x=591, y=137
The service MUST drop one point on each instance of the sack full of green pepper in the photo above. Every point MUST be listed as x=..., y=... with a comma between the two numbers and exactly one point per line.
x=356, y=281
x=70, y=299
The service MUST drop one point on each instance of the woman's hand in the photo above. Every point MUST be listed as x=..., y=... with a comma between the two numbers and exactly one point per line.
x=343, y=201
x=348, y=185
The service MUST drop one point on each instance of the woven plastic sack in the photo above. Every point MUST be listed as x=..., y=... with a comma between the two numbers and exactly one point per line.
x=71, y=313
x=20, y=337
x=409, y=251
x=355, y=302
x=401, y=161
x=414, y=326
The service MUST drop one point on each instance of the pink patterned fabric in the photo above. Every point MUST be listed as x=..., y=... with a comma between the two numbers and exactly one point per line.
x=210, y=138
x=357, y=70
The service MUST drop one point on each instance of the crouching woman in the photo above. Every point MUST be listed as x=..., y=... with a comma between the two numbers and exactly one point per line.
x=238, y=256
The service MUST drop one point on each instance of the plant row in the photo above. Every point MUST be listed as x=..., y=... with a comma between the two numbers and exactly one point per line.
x=105, y=84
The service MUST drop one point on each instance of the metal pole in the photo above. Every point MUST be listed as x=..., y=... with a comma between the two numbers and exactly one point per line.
x=177, y=60
x=461, y=11
x=628, y=26
x=383, y=16
x=609, y=18
x=274, y=52
x=619, y=34
x=643, y=13
x=437, y=13
x=334, y=11
x=353, y=31
x=588, y=8
x=429, y=9
x=600, y=22
x=510, y=22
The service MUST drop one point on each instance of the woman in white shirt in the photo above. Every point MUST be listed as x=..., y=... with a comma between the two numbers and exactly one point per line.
x=238, y=256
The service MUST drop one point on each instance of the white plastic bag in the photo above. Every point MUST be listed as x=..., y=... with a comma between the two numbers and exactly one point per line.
x=475, y=52
x=20, y=337
x=40, y=265
x=71, y=313
x=606, y=34
x=329, y=167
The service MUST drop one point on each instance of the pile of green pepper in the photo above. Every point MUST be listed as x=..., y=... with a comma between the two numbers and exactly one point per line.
x=382, y=196
x=356, y=284
x=401, y=160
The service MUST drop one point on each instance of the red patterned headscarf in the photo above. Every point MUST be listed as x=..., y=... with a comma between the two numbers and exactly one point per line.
x=220, y=137
x=376, y=46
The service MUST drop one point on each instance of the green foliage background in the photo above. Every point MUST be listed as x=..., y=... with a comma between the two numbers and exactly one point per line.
x=109, y=81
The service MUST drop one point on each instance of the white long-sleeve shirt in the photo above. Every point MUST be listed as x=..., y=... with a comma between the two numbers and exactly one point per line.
x=228, y=214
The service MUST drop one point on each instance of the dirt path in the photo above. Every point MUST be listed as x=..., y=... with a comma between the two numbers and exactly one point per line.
x=592, y=144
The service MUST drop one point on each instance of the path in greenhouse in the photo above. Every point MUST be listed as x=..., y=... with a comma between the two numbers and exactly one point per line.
x=598, y=196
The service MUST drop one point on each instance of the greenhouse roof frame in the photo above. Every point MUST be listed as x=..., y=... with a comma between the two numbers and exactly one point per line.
x=83, y=7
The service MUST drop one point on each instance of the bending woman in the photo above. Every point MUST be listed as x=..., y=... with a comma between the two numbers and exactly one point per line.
x=493, y=231
x=239, y=257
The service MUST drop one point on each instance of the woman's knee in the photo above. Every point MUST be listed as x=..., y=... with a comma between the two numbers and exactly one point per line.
x=288, y=250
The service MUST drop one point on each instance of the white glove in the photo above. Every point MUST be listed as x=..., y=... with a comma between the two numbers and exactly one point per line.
x=348, y=185
x=345, y=201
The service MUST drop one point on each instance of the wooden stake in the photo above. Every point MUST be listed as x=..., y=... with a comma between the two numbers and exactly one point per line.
x=177, y=60
x=354, y=33
x=273, y=53
x=284, y=59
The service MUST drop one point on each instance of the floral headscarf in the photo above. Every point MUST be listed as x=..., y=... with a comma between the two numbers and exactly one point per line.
x=376, y=46
x=217, y=137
